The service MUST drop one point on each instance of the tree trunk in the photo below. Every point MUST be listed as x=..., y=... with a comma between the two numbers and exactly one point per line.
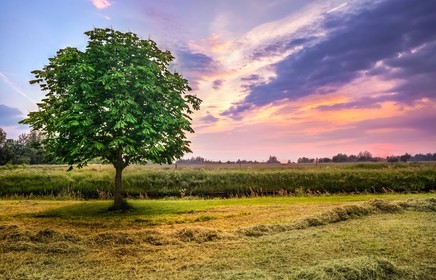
x=118, y=199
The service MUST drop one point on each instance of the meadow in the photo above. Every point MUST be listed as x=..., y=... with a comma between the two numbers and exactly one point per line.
x=388, y=236
x=149, y=181
x=352, y=221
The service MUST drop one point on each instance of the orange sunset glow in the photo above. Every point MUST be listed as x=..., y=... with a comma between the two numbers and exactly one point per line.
x=283, y=78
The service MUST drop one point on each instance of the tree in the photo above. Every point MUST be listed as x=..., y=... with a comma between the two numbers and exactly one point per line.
x=392, y=159
x=352, y=158
x=32, y=149
x=116, y=100
x=305, y=160
x=340, y=158
x=405, y=157
x=364, y=156
x=324, y=160
x=28, y=149
x=3, y=136
x=4, y=149
x=273, y=160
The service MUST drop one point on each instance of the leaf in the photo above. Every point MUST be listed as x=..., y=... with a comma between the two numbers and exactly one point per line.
x=120, y=124
x=131, y=119
x=35, y=81
x=75, y=123
x=99, y=146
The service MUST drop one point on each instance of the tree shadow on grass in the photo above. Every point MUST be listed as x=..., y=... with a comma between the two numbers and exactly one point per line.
x=101, y=209
x=86, y=209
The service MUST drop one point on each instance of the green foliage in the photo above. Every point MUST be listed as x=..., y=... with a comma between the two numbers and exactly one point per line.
x=116, y=100
x=28, y=149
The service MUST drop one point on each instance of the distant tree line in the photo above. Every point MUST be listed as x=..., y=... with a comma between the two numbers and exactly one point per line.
x=201, y=160
x=29, y=149
x=364, y=156
x=367, y=157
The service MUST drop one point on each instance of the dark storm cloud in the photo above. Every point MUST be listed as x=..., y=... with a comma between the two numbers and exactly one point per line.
x=398, y=33
x=9, y=115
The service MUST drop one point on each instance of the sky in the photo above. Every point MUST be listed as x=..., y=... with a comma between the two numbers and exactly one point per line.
x=288, y=78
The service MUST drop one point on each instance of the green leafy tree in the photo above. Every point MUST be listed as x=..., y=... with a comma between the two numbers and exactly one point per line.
x=116, y=100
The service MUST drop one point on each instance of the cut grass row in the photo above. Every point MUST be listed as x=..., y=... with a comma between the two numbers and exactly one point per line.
x=143, y=181
x=372, y=237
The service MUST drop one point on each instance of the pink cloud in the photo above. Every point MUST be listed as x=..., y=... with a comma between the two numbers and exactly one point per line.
x=101, y=4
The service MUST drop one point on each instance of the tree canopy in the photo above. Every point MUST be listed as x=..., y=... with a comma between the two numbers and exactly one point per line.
x=116, y=100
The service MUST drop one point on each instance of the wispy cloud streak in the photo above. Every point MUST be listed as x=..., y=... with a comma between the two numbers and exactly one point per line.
x=15, y=88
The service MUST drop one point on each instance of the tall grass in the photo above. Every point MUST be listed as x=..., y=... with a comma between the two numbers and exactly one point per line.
x=142, y=181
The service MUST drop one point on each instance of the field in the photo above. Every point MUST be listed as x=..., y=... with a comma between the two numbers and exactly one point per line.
x=369, y=236
x=360, y=221
x=97, y=181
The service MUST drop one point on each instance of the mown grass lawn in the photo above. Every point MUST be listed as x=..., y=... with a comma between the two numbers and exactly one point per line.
x=309, y=237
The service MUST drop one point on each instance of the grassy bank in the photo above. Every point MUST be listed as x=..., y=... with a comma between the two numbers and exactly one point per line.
x=327, y=237
x=96, y=181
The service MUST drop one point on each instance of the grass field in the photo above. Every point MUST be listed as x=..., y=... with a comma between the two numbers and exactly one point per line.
x=97, y=181
x=388, y=236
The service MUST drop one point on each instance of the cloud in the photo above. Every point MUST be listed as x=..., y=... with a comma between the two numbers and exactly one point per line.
x=15, y=88
x=209, y=119
x=9, y=116
x=195, y=61
x=337, y=8
x=408, y=127
x=195, y=65
x=163, y=19
x=235, y=112
x=415, y=68
x=311, y=133
x=363, y=102
x=104, y=16
x=252, y=77
x=393, y=38
x=101, y=4
x=281, y=46
x=217, y=84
